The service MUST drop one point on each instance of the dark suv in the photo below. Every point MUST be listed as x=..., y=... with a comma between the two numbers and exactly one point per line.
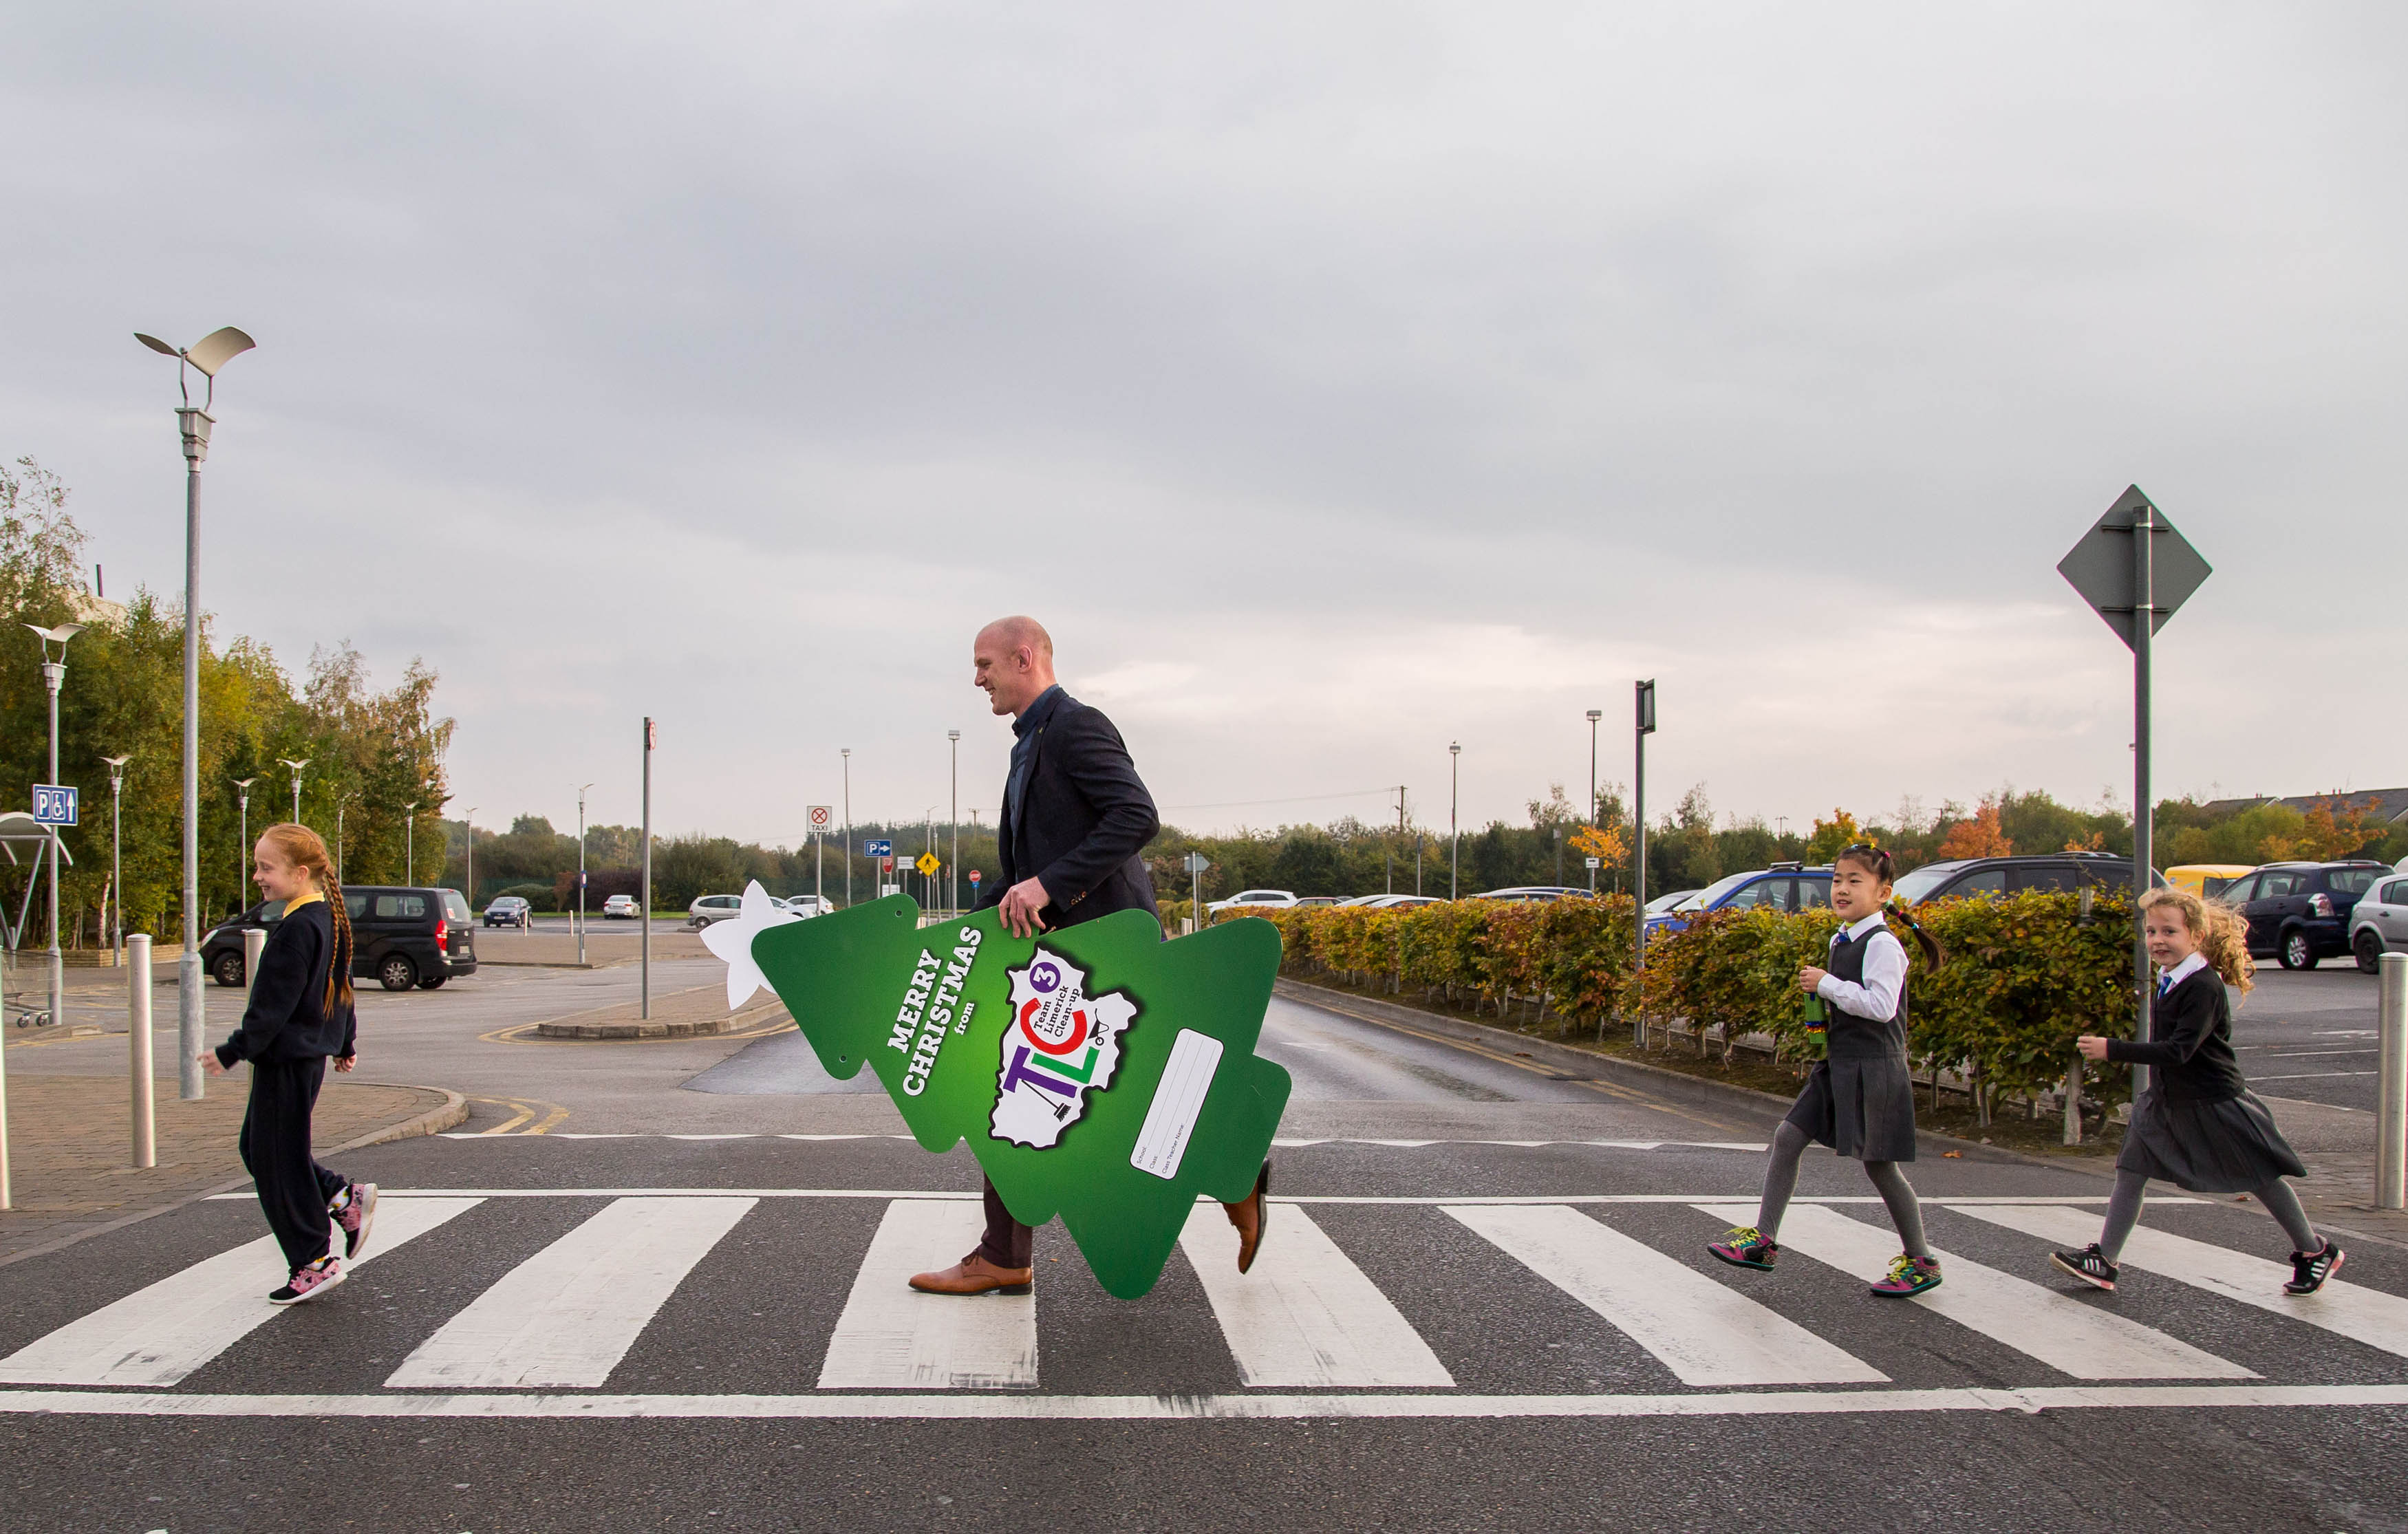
x=400, y=938
x=2299, y=912
x=2014, y=875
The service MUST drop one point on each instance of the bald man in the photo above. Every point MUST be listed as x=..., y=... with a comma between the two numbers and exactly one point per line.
x=1075, y=819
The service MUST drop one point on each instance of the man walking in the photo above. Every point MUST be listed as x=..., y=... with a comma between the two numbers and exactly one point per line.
x=1075, y=817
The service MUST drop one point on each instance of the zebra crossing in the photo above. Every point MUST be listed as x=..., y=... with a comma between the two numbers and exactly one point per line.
x=1310, y=1331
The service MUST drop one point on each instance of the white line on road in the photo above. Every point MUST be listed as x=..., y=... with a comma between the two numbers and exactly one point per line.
x=1951, y=1202
x=1704, y=1332
x=2365, y=1315
x=566, y=1315
x=893, y=1337
x=1306, y=1315
x=2032, y=1399
x=158, y=1335
x=2066, y=1334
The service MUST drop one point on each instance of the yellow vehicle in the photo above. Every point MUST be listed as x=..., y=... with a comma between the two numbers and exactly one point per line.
x=2206, y=880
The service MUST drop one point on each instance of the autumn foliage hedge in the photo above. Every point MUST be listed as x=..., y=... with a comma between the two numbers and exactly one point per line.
x=2026, y=974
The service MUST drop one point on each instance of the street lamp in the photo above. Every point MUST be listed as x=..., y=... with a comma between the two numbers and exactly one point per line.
x=1594, y=715
x=54, y=676
x=954, y=879
x=1644, y=725
x=848, y=827
x=117, y=844
x=1454, y=827
x=409, y=845
x=341, y=802
x=296, y=767
x=243, y=854
x=581, y=873
x=468, y=823
x=211, y=353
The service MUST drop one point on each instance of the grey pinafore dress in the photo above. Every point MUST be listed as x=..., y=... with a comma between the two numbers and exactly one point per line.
x=1859, y=1099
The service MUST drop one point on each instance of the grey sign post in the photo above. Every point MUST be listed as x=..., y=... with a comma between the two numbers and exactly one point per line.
x=1196, y=864
x=1644, y=725
x=2132, y=562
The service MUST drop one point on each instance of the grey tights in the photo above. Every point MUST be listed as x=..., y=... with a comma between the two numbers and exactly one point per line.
x=1789, y=1142
x=2124, y=1211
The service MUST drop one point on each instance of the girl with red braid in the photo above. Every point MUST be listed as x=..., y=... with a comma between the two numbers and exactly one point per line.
x=299, y=1016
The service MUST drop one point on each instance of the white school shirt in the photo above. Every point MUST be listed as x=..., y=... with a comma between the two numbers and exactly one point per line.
x=2181, y=972
x=1884, y=973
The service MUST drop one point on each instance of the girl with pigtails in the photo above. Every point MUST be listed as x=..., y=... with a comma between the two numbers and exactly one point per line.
x=299, y=1016
x=1859, y=1099
x=2198, y=1126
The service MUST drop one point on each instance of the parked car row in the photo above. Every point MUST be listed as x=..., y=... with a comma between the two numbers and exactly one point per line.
x=401, y=938
x=709, y=909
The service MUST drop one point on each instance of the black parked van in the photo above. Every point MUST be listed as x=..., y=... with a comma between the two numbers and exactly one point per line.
x=400, y=938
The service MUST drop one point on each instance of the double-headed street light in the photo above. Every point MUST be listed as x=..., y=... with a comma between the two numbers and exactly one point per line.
x=209, y=353
x=117, y=844
x=1453, y=825
x=54, y=676
x=296, y=767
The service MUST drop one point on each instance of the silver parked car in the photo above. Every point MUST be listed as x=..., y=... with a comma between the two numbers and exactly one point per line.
x=708, y=909
x=2379, y=923
x=1281, y=898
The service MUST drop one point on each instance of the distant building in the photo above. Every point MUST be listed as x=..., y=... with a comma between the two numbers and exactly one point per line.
x=2383, y=806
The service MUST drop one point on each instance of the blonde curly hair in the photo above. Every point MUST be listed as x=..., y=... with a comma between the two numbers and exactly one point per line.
x=2222, y=934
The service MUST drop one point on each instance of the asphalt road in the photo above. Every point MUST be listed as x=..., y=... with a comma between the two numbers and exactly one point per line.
x=2309, y=1033
x=1484, y=1303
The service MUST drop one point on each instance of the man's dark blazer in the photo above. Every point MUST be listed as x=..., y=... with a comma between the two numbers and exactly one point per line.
x=1084, y=816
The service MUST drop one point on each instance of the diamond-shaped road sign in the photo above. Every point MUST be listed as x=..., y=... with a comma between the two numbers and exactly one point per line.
x=927, y=863
x=2101, y=566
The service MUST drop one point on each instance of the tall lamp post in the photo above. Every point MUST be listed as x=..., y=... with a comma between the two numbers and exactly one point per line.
x=848, y=827
x=581, y=873
x=341, y=802
x=410, y=844
x=1454, y=824
x=1594, y=715
x=54, y=676
x=1644, y=725
x=211, y=353
x=295, y=768
x=468, y=824
x=117, y=844
x=243, y=854
x=954, y=879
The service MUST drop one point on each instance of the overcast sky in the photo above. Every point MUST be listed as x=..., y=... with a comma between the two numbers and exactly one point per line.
x=1335, y=381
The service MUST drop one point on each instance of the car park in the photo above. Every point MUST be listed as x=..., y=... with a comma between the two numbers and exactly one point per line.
x=804, y=905
x=509, y=910
x=1243, y=899
x=1959, y=877
x=2378, y=923
x=1783, y=886
x=621, y=908
x=1391, y=901
x=2300, y=913
x=708, y=909
x=2207, y=880
x=1316, y=900
x=401, y=938
x=1516, y=894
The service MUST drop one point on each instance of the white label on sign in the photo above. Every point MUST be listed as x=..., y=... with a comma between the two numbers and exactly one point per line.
x=1162, y=1143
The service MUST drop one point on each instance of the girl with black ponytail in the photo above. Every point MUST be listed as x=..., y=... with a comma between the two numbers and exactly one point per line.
x=1859, y=1099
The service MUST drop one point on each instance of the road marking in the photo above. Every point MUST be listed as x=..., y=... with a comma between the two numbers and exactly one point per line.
x=1768, y=1403
x=2048, y=1199
x=1755, y=1147
x=2311, y=1075
x=158, y=1335
x=566, y=1315
x=526, y=1109
x=2363, y=1315
x=1704, y=1332
x=2060, y=1330
x=1306, y=1316
x=893, y=1337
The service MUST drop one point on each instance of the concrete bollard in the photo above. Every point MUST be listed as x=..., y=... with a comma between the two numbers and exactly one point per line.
x=254, y=940
x=137, y=1050
x=2391, y=1086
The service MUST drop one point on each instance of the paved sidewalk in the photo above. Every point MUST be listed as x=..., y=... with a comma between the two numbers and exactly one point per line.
x=70, y=1152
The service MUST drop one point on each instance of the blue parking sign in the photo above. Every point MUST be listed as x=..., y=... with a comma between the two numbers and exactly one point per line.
x=54, y=804
x=878, y=849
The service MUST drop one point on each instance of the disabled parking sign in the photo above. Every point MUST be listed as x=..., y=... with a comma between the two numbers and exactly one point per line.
x=1097, y=1072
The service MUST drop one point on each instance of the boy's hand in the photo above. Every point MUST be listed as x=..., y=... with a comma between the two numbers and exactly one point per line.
x=1811, y=979
x=2092, y=1046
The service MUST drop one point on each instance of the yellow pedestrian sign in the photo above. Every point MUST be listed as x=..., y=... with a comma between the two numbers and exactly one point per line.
x=928, y=863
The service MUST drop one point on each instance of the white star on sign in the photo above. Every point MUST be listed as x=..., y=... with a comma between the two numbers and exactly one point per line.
x=732, y=941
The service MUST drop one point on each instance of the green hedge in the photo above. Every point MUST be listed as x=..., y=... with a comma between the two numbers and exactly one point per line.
x=2026, y=974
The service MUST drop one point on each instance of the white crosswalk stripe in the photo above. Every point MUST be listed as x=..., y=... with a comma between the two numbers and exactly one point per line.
x=1305, y=1315
x=2361, y=1314
x=2058, y=1329
x=157, y=1335
x=891, y=1338
x=1704, y=1332
x=566, y=1315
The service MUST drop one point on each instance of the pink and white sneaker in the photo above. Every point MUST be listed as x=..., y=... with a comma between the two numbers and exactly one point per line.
x=309, y=1282
x=355, y=1216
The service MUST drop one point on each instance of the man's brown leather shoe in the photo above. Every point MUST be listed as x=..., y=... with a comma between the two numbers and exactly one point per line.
x=1248, y=1217
x=975, y=1275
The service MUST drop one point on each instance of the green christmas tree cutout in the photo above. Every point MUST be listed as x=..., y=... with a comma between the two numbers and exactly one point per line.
x=1098, y=1072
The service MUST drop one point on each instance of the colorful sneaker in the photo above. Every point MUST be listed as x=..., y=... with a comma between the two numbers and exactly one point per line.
x=1744, y=1246
x=1909, y=1276
x=309, y=1282
x=2090, y=1265
x=355, y=1214
x=2309, y=1270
